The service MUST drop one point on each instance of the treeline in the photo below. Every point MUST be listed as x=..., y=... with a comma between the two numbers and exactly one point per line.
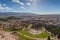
x=54, y=29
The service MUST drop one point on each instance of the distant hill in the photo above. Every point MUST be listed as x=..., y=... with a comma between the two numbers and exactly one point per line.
x=17, y=14
x=25, y=14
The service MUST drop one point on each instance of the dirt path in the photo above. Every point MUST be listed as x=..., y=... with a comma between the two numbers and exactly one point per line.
x=25, y=35
x=34, y=32
x=31, y=37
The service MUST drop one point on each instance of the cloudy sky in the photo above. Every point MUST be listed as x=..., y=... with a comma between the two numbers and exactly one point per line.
x=38, y=6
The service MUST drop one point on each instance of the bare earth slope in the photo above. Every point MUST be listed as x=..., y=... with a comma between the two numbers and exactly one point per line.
x=7, y=36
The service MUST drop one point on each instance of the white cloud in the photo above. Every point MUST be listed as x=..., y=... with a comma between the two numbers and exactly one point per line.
x=17, y=1
x=21, y=3
x=1, y=8
x=4, y=8
x=32, y=3
x=28, y=4
x=7, y=8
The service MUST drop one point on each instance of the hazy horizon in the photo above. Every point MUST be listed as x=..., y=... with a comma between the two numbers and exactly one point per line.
x=31, y=6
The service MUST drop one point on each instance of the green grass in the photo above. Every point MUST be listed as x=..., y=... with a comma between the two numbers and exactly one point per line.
x=25, y=32
x=42, y=35
x=22, y=37
x=8, y=30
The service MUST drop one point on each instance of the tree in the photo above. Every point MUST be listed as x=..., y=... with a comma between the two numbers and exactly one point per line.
x=48, y=38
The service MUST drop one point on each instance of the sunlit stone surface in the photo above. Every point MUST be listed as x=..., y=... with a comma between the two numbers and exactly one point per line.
x=7, y=36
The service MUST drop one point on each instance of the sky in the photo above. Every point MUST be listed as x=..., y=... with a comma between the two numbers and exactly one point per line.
x=36, y=6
